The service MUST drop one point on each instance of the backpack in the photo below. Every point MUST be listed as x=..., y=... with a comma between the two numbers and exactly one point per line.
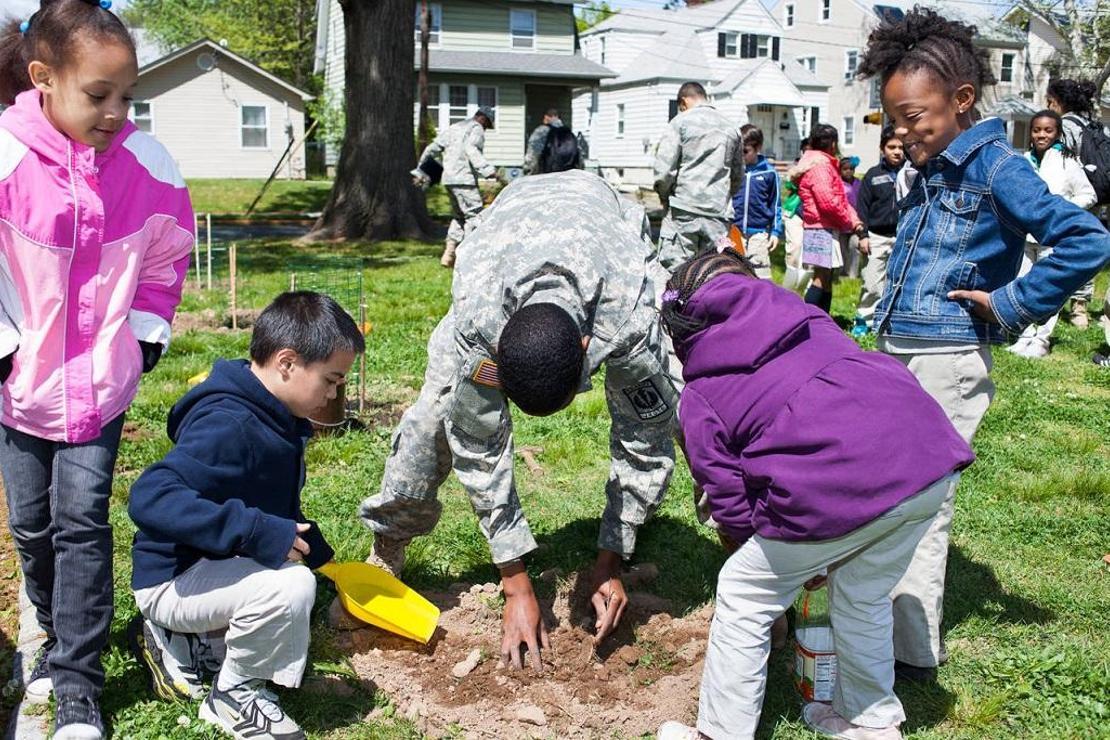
x=1094, y=154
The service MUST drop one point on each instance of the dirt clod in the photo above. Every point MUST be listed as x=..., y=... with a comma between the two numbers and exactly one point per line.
x=340, y=619
x=628, y=655
x=532, y=715
x=464, y=667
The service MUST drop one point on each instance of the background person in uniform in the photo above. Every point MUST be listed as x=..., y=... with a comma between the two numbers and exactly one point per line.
x=534, y=147
x=464, y=162
x=556, y=279
x=699, y=165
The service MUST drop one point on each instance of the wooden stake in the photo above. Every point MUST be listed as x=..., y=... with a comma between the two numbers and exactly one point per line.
x=292, y=281
x=231, y=250
x=362, y=362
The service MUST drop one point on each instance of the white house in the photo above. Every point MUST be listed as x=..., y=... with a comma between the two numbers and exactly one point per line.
x=732, y=47
x=220, y=115
x=520, y=58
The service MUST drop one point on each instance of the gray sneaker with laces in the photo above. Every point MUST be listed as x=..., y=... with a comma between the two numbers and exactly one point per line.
x=249, y=711
x=39, y=684
x=77, y=718
x=176, y=662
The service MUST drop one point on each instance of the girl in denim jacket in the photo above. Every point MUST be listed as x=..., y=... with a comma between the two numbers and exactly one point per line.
x=953, y=288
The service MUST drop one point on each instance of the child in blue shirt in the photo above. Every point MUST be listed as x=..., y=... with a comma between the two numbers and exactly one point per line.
x=755, y=205
x=953, y=288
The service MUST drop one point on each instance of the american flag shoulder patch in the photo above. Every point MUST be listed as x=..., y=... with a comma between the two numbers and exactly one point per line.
x=486, y=374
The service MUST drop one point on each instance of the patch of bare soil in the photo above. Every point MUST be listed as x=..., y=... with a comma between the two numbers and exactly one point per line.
x=644, y=674
x=210, y=320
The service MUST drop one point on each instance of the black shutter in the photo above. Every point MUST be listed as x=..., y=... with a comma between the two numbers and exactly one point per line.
x=673, y=110
x=721, y=42
x=775, y=48
x=746, y=46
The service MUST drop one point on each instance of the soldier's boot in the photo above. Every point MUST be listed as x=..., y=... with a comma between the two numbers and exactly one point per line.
x=448, y=258
x=388, y=554
x=1080, y=319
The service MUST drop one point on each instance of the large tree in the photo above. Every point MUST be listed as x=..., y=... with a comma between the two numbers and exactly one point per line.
x=373, y=196
x=1084, y=25
x=278, y=35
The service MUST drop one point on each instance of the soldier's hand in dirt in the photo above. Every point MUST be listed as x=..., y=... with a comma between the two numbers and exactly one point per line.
x=300, y=548
x=608, y=597
x=521, y=623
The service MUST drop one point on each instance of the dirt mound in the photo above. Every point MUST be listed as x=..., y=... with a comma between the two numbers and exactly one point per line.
x=646, y=673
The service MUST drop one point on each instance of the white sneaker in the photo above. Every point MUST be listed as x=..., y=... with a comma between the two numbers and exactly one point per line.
x=249, y=711
x=39, y=685
x=1019, y=346
x=823, y=719
x=1033, y=349
x=677, y=731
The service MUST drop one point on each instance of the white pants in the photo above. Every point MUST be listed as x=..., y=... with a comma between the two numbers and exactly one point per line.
x=763, y=578
x=264, y=611
x=797, y=277
x=757, y=248
x=873, y=275
x=960, y=382
x=1039, y=333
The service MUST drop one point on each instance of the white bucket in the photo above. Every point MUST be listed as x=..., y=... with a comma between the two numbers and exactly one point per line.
x=814, y=663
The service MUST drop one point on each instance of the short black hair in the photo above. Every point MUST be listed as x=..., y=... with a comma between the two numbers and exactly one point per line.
x=690, y=90
x=311, y=324
x=887, y=135
x=551, y=112
x=1074, y=96
x=924, y=39
x=539, y=358
x=823, y=137
x=751, y=135
x=560, y=151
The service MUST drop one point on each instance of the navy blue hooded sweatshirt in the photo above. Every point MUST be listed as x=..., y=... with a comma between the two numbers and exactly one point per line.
x=231, y=486
x=757, y=206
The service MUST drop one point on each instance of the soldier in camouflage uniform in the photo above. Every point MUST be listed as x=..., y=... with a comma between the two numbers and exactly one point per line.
x=464, y=162
x=699, y=164
x=565, y=239
x=538, y=138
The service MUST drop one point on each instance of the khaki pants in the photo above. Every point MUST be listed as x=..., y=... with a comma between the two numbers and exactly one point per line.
x=684, y=235
x=849, y=255
x=960, y=382
x=757, y=247
x=264, y=611
x=874, y=275
x=797, y=277
x=762, y=579
x=1039, y=333
x=466, y=203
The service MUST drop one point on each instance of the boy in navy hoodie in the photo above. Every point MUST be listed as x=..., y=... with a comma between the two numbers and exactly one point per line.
x=756, y=205
x=222, y=543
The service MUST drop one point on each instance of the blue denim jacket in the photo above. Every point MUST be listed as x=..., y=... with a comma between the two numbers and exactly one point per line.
x=962, y=225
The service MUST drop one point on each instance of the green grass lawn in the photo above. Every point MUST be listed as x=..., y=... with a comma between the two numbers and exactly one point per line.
x=1026, y=613
x=235, y=196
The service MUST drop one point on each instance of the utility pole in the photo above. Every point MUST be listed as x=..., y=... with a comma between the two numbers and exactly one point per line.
x=423, y=134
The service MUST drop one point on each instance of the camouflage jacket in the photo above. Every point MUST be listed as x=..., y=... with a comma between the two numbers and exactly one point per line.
x=461, y=146
x=699, y=163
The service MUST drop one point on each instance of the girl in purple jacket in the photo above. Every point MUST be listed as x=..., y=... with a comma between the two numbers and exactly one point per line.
x=809, y=474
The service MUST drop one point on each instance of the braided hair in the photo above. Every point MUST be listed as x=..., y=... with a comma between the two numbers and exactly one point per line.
x=687, y=279
x=50, y=35
x=924, y=39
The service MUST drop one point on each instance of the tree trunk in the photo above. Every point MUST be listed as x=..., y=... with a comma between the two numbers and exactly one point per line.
x=373, y=196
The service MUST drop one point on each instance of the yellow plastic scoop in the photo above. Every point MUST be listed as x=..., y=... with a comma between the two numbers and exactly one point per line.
x=369, y=593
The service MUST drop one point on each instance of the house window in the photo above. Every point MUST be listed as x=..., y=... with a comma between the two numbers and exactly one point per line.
x=620, y=120
x=731, y=50
x=762, y=46
x=851, y=64
x=1007, y=73
x=876, y=98
x=255, y=127
x=809, y=63
x=788, y=15
x=142, y=116
x=522, y=28
x=826, y=11
x=487, y=96
x=746, y=45
x=849, y=130
x=457, y=99
x=433, y=105
x=603, y=50
x=434, y=27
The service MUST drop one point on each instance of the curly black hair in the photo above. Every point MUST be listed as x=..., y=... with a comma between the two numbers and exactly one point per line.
x=539, y=358
x=924, y=39
x=1074, y=96
x=687, y=279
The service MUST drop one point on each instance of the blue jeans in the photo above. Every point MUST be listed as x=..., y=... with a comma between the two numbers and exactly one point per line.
x=58, y=497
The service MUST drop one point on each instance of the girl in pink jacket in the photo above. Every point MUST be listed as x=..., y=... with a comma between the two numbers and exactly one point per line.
x=826, y=213
x=95, y=234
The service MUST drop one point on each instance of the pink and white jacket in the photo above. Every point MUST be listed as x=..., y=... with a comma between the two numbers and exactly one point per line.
x=824, y=202
x=94, y=249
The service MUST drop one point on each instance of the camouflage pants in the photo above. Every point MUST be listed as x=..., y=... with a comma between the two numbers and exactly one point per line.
x=466, y=203
x=684, y=235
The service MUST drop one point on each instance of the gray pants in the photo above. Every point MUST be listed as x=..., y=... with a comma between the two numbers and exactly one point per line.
x=684, y=235
x=797, y=277
x=874, y=275
x=58, y=497
x=757, y=248
x=264, y=612
x=466, y=203
x=762, y=579
x=849, y=255
x=960, y=382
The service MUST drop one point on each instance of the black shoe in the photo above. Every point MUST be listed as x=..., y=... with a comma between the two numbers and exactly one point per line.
x=39, y=685
x=914, y=673
x=77, y=718
x=1101, y=360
